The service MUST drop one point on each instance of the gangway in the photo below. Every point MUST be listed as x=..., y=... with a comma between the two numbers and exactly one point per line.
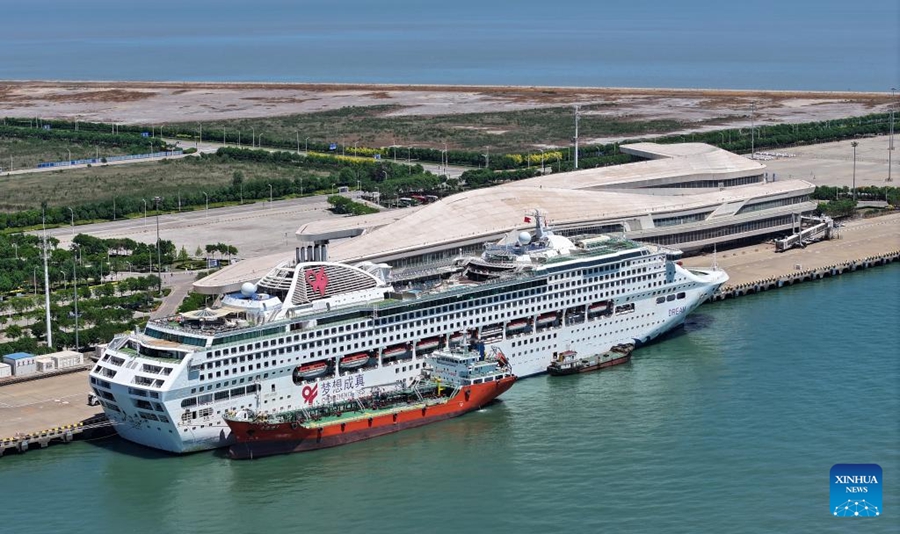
x=822, y=228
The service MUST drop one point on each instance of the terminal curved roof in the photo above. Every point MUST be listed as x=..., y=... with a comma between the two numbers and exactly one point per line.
x=601, y=194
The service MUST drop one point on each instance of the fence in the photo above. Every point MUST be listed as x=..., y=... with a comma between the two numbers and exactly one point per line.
x=110, y=159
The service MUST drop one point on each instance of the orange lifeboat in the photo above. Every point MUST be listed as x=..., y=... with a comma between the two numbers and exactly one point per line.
x=354, y=360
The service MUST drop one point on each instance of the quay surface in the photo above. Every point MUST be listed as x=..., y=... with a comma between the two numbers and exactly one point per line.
x=46, y=409
x=861, y=243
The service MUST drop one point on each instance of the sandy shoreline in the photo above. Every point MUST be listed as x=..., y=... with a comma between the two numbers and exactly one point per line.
x=132, y=102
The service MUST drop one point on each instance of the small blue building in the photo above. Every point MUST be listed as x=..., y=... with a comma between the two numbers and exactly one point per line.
x=21, y=363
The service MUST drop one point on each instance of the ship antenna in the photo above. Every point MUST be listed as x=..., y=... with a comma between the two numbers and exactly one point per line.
x=715, y=261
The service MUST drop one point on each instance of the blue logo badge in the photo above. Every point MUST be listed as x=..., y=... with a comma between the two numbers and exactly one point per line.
x=856, y=490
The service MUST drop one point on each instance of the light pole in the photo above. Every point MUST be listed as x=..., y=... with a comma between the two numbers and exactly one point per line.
x=158, y=252
x=752, y=128
x=854, y=145
x=270, y=192
x=891, y=142
x=487, y=158
x=253, y=137
x=542, y=161
x=65, y=280
x=298, y=142
x=145, y=211
x=16, y=247
x=306, y=145
x=207, y=202
x=576, y=136
x=34, y=274
x=224, y=143
x=72, y=212
x=301, y=186
x=75, y=286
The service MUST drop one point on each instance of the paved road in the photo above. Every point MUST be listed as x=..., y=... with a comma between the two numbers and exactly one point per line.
x=180, y=283
x=255, y=229
x=31, y=170
x=452, y=171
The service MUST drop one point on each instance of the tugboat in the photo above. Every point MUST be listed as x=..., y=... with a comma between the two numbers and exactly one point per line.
x=455, y=382
x=568, y=362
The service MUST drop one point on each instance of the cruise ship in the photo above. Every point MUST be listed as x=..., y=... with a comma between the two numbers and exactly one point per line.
x=312, y=331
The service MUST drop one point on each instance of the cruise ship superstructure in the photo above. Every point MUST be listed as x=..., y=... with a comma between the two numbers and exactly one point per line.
x=312, y=331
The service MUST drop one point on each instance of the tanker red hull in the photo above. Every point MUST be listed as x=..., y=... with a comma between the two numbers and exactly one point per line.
x=255, y=439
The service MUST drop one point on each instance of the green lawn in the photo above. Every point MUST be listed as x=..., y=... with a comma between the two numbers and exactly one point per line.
x=512, y=131
x=166, y=178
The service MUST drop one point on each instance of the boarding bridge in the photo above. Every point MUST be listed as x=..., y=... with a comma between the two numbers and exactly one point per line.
x=822, y=228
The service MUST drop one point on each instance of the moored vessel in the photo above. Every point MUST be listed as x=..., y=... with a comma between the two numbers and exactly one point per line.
x=321, y=331
x=454, y=383
x=568, y=362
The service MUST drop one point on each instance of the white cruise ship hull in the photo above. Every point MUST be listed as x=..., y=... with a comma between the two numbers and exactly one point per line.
x=179, y=408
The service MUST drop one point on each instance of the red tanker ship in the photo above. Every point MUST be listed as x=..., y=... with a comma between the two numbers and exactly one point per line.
x=457, y=382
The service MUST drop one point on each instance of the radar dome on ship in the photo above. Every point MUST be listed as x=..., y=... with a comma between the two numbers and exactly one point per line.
x=524, y=238
x=248, y=289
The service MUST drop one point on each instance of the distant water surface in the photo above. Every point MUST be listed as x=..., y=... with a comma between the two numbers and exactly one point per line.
x=767, y=44
x=730, y=425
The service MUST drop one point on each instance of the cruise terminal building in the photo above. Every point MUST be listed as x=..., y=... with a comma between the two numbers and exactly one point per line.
x=688, y=196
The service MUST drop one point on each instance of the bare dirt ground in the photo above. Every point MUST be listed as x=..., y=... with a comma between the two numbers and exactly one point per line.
x=162, y=102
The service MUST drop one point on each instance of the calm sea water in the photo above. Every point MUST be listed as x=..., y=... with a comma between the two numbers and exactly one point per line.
x=767, y=44
x=730, y=425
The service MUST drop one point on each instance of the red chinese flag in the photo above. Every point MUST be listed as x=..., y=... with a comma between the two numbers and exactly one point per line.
x=527, y=219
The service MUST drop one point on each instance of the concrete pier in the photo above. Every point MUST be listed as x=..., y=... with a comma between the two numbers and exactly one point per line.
x=860, y=244
x=36, y=413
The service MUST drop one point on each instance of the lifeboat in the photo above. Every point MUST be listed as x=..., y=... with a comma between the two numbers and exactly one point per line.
x=517, y=326
x=428, y=344
x=354, y=360
x=457, y=338
x=547, y=319
x=311, y=370
x=395, y=352
x=598, y=307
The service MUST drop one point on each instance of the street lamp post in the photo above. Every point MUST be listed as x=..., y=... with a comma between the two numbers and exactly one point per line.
x=891, y=142
x=75, y=286
x=34, y=274
x=576, y=135
x=16, y=248
x=752, y=130
x=270, y=192
x=158, y=251
x=306, y=145
x=298, y=142
x=301, y=186
x=145, y=211
x=854, y=145
x=207, y=202
x=542, y=161
x=72, y=212
x=253, y=137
